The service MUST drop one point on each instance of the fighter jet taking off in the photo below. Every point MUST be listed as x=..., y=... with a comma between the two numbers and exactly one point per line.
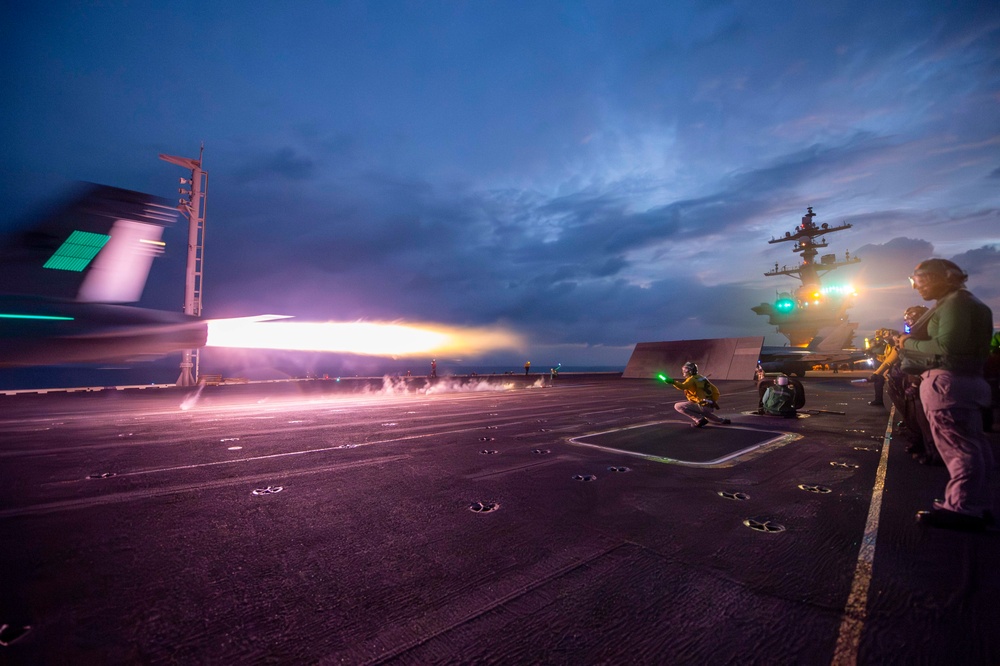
x=64, y=280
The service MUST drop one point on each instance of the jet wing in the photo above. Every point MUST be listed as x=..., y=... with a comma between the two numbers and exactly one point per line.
x=46, y=332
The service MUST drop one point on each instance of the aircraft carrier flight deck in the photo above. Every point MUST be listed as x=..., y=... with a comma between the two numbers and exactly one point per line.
x=477, y=520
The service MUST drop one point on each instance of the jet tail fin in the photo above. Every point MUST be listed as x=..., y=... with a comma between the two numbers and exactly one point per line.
x=838, y=338
x=97, y=248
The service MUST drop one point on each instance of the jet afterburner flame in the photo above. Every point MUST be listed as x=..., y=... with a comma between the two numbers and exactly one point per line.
x=367, y=338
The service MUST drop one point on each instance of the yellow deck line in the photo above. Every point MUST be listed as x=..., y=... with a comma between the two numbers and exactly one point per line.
x=856, y=610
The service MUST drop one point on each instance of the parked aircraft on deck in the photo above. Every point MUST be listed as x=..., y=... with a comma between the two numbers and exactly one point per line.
x=829, y=349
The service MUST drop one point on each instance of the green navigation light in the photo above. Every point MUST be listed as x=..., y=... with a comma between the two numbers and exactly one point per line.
x=784, y=305
x=25, y=316
x=77, y=251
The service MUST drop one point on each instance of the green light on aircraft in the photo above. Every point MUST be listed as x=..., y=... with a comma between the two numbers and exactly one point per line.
x=44, y=317
x=77, y=251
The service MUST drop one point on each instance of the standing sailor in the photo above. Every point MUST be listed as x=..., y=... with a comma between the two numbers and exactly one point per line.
x=953, y=341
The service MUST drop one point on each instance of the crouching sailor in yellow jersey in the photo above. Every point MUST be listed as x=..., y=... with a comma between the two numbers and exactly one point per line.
x=702, y=397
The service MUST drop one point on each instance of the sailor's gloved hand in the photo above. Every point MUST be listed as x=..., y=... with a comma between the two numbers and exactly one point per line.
x=713, y=404
x=873, y=377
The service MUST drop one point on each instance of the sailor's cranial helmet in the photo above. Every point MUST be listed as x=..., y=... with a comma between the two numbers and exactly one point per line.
x=941, y=268
x=912, y=314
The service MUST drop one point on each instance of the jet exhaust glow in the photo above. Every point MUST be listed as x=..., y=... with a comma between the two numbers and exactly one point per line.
x=366, y=338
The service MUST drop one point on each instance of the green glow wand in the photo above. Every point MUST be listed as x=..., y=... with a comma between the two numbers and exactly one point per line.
x=665, y=378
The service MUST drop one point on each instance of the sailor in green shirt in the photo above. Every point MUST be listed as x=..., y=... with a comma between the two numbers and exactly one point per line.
x=956, y=332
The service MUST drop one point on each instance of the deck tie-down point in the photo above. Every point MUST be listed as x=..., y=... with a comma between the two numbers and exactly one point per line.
x=484, y=507
x=764, y=525
x=10, y=633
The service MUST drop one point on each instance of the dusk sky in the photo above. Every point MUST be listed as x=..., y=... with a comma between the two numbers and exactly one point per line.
x=588, y=174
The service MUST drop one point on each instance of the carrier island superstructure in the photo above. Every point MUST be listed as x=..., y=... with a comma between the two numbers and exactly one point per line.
x=811, y=308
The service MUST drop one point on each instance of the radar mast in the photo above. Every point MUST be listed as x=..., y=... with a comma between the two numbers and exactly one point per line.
x=811, y=307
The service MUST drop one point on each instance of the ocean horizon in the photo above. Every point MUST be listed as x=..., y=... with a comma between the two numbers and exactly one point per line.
x=166, y=371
